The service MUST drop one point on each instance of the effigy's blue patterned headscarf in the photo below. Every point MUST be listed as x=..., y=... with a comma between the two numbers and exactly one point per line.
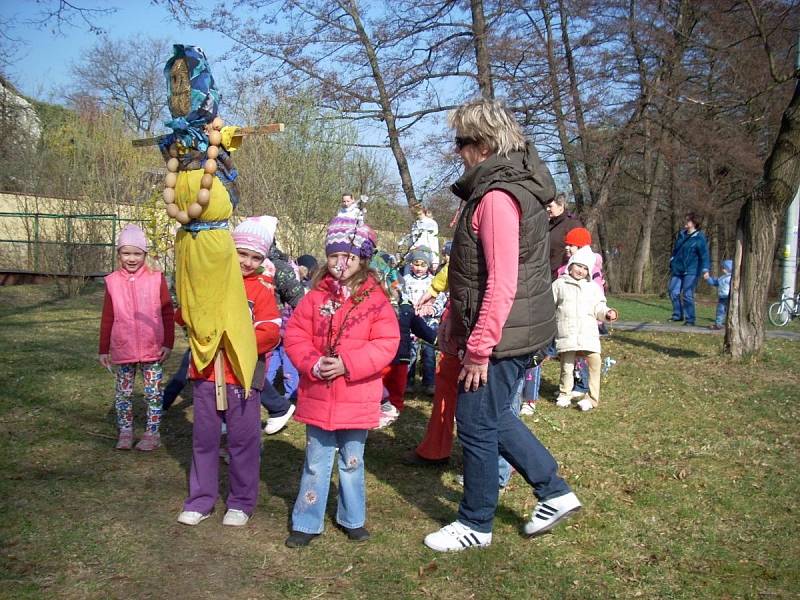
x=204, y=97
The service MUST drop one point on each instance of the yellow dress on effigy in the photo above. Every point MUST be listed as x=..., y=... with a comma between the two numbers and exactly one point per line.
x=209, y=282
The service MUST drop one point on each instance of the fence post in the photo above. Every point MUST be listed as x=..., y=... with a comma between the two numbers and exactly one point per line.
x=113, y=238
x=36, y=242
x=70, y=247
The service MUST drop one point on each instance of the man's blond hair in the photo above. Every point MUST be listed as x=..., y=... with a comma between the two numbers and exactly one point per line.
x=490, y=122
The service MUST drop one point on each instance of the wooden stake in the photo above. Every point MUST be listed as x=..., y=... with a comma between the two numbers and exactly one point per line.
x=241, y=131
x=220, y=389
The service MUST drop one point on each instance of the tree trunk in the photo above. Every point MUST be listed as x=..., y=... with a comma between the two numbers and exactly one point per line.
x=479, y=35
x=386, y=106
x=642, y=257
x=558, y=110
x=756, y=235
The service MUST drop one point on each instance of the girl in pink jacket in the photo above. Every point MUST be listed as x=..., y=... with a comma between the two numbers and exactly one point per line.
x=340, y=337
x=137, y=328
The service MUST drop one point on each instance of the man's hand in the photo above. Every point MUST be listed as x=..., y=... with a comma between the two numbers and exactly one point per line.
x=164, y=354
x=474, y=376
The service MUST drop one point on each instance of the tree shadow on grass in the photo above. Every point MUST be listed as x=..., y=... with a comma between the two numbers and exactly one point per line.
x=281, y=468
x=673, y=352
x=421, y=486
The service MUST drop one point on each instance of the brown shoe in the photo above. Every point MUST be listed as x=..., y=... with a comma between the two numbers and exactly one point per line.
x=149, y=442
x=125, y=440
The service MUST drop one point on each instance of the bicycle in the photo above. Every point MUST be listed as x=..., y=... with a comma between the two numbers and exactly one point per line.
x=784, y=310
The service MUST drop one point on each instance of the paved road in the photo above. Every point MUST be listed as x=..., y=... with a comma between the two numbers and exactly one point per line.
x=673, y=328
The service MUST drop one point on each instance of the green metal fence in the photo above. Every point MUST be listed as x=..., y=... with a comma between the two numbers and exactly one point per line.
x=59, y=244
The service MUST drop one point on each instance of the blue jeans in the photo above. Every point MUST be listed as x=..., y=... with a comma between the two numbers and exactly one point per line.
x=530, y=391
x=275, y=404
x=582, y=385
x=722, y=310
x=502, y=464
x=177, y=382
x=487, y=429
x=291, y=379
x=427, y=355
x=308, y=514
x=681, y=292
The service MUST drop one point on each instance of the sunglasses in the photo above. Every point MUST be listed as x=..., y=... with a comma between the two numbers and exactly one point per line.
x=419, y=263
x=461, y=142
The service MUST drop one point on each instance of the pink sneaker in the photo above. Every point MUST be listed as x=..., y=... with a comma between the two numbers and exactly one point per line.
x=149, y=441
x=125, y=440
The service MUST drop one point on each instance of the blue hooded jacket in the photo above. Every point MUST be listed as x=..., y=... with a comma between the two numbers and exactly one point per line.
x=723, y=282
x=689, y=254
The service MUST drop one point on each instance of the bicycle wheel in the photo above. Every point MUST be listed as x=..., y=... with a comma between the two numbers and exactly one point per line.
x=779, y=314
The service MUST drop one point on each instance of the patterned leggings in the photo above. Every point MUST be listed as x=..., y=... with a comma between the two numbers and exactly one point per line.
x=153, y=373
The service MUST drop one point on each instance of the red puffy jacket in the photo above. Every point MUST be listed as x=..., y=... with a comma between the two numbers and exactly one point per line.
x=368, y=342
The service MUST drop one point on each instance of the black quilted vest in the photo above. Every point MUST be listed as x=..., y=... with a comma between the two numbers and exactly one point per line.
x=531, y=323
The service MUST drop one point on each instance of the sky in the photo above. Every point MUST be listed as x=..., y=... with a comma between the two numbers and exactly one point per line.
x=45, y=55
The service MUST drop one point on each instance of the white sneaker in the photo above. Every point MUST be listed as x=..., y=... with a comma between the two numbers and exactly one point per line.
x=576, y=395
x=389, y=409
x=191, y=517
x=456, y=537
x=528, y=409
x=585, y=404
x=563, y=401
x=549, y=513
x=275, y=424
x=235, y=518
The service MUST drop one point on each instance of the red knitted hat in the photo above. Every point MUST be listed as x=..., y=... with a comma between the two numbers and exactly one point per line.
x=579, y=237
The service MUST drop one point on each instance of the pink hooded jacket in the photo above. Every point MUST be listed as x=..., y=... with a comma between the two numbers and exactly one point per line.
x=366, y=345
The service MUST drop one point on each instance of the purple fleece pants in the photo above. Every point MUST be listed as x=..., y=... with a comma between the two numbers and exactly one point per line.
x=243, y=419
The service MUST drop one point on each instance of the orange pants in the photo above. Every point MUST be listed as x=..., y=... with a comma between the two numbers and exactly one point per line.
x=438, y=441
x=395, y=378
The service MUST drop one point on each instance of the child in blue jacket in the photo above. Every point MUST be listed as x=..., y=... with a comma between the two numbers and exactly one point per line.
x=723, y=285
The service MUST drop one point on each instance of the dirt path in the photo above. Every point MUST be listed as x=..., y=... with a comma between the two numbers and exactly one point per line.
x=677, y=328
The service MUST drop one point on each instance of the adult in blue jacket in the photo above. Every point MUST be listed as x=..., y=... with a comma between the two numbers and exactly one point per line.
x=689, y=262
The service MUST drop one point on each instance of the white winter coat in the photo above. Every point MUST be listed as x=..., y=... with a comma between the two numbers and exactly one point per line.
x=579, y=305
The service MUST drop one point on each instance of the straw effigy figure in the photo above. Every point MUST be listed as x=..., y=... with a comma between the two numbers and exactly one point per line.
x=201, y=193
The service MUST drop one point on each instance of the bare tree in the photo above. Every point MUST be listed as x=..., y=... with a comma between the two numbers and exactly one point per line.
x=762, y=213
x=57, y=14
x=130, y=81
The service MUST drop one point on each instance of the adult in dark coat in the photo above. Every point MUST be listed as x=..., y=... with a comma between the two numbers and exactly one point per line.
x=689, y=262
x=561, y=221
x=501, y=313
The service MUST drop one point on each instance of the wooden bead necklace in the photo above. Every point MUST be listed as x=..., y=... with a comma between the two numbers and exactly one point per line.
x=206, y=181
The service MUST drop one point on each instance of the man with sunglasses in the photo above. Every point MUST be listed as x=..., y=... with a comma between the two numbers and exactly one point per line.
x=501, y=313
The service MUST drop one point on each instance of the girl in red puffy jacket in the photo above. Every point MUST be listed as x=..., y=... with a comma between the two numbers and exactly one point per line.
x=136, y=328
x=340, y=337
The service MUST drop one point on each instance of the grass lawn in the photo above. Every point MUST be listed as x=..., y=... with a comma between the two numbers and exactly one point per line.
x=688, y=474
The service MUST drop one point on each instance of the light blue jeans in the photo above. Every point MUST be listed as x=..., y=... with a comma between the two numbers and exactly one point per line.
x=308, y=514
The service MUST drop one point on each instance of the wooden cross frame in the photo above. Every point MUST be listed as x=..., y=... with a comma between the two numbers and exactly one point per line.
x=242, y=131
x=219, y=371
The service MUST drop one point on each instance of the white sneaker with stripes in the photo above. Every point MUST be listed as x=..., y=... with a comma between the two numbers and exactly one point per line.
x=549, y=513
x=456, y=537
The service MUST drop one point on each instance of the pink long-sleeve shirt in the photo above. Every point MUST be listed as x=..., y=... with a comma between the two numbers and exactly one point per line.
x=496, y=223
